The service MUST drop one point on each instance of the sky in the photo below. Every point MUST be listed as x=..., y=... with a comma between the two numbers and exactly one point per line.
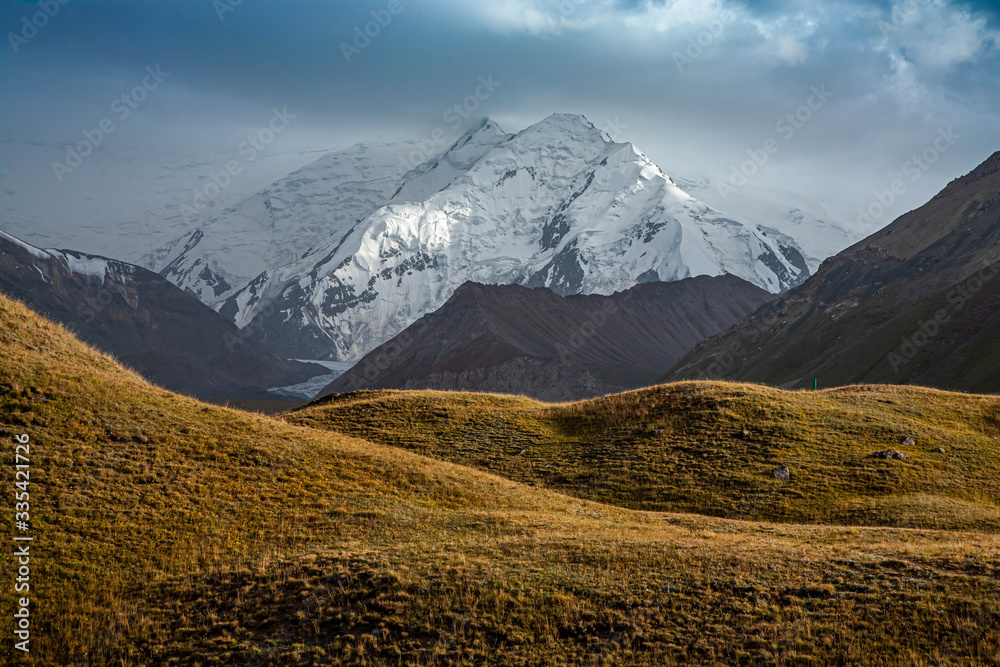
x=835, y=101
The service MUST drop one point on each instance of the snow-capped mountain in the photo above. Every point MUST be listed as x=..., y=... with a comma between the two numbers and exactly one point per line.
x=312, y=206
x=342, y=255
x=280, y=224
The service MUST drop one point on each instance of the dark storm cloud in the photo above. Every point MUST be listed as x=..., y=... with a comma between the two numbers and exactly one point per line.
x=694, y=84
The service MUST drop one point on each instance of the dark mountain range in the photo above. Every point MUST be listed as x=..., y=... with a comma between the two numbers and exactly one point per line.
x=517, y=340
x=917, y=302
x=145, y=322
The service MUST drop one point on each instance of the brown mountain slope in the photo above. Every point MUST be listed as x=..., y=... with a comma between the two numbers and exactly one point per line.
x=918, y=302
x=146, y=322
x=516, y=340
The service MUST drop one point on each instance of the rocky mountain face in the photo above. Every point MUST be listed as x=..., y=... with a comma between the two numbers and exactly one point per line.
x=344, y=254
x=145, y=322
x=535, y=342
x=917, y=302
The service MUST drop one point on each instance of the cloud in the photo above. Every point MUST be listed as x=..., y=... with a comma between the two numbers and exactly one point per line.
x=639, y=19
x=534, y=17
x=776, y=38
x=934, y=66
x=785, y=39
x=522, y=16
x=903, y=84
x=938, y=35
x=671, y=15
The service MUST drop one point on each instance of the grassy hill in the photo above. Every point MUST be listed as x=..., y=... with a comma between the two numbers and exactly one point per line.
x=711, y=448
x=171, y=532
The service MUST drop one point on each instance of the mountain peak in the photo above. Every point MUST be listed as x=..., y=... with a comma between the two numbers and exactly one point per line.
x=561, y=125
x=488, y=124
x=572, y=118
x=558, y=205
x=486, y=128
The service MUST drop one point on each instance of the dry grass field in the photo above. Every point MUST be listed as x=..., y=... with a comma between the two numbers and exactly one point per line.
x=612, y=532
x=711, y=448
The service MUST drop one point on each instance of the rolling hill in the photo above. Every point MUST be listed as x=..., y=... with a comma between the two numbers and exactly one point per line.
x=171, y=532
x=712, y=448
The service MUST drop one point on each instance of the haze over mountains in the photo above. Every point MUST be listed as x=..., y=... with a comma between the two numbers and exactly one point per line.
x=819, y=228
x=123, y=202
x=917, y=302
x=343, y=254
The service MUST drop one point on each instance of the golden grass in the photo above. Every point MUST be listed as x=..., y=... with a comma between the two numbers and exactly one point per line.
x=169, y=532
x=711, y=448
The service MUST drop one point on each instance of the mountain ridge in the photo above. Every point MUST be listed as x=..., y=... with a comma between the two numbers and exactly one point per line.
x=916, y=302
x=532, y=341
x=144, y=321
